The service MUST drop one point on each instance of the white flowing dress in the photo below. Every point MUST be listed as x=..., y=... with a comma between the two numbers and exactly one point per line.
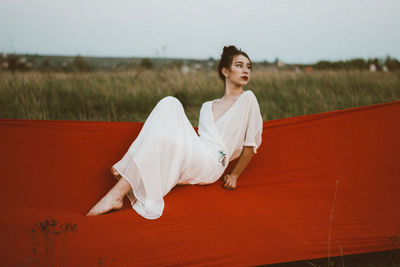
x=168, y=151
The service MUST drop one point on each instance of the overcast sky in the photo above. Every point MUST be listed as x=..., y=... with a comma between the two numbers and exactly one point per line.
x=295, y=31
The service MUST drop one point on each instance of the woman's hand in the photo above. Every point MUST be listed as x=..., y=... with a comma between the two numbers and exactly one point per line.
x=244, y=159
x=230, y=181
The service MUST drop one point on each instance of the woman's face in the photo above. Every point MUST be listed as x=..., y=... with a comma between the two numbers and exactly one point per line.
x=239, y=73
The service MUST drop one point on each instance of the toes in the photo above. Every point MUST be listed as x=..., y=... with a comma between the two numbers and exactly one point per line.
x=93, y=212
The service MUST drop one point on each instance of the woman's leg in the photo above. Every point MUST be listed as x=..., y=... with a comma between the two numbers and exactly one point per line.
x=114, y=198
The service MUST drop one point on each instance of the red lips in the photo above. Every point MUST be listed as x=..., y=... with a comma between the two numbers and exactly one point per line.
x=245, y=78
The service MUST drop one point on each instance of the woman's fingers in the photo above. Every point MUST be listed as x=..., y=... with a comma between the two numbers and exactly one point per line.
x=226, y=184
x=229, y=184
x=233, y=184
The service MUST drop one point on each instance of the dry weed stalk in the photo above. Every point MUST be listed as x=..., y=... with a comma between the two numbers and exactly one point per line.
x=330, y=221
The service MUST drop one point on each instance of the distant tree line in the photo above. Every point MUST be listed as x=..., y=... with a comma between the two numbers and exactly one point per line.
x=388, y=63
x=15, y=62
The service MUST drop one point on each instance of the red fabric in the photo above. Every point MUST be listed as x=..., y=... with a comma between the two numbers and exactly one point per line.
x=281, y=210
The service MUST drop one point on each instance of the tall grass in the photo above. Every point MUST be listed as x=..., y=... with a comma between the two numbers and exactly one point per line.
x=130, y=96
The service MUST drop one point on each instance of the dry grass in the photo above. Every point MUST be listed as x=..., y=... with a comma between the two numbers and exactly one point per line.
x=130, y=96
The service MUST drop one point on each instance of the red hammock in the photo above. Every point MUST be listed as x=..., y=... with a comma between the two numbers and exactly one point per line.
x=321, y=185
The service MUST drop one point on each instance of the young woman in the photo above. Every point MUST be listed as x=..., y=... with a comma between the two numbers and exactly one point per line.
x=168, y=151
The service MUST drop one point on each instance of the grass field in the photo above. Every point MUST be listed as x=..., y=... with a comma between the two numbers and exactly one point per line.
x=130, y=96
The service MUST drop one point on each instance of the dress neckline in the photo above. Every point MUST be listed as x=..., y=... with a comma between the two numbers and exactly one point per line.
x=212, y=102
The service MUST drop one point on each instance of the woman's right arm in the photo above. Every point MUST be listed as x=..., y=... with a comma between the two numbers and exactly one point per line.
x=230, y=180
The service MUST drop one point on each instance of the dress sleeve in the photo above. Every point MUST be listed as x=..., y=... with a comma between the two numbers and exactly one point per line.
x=254, y=125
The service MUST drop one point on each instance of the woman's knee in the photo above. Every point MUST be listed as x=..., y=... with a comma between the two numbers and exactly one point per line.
x=170, y=101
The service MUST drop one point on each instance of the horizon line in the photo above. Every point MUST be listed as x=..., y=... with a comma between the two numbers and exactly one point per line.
x=184, y=58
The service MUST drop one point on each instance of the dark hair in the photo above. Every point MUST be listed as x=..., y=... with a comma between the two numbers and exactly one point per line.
x=227, y=56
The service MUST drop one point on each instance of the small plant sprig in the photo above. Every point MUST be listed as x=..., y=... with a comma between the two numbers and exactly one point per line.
x=47, y=233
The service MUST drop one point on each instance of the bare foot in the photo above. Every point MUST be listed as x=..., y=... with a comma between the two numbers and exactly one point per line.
x=113, y=199
x=106, y=204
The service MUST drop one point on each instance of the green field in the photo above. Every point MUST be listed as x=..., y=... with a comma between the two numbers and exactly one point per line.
x=131, y=95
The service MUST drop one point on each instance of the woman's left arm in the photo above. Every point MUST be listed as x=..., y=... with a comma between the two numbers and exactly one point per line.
x=230, y=180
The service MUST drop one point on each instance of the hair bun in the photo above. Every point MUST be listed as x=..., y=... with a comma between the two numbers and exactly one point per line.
x=230, y=50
